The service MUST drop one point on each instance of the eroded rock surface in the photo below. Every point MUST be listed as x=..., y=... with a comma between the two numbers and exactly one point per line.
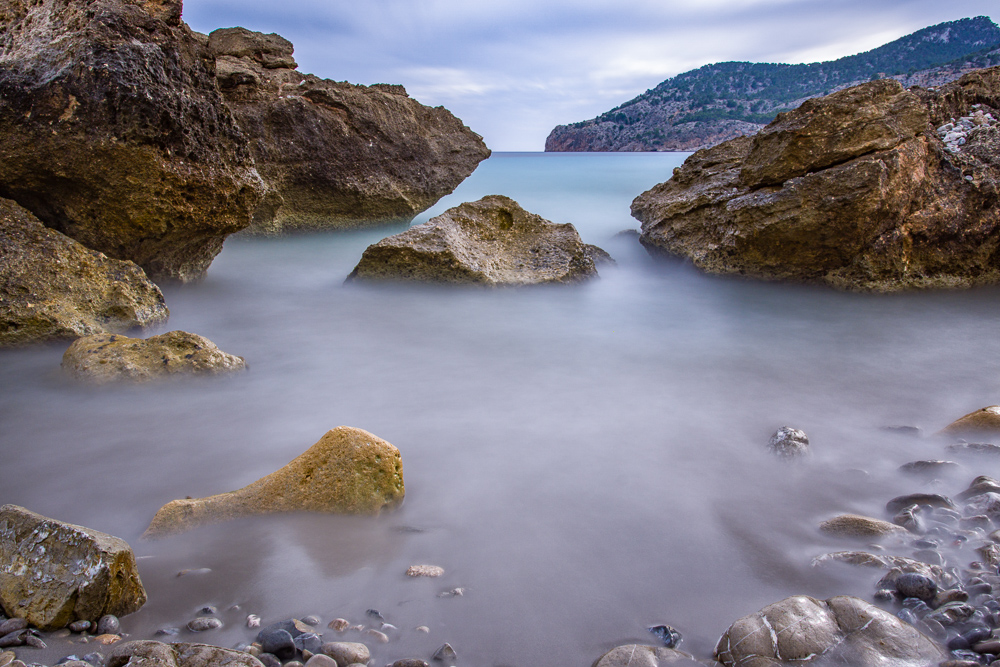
x=103, y=358
x=349, y=471
x=639, y=655
x=491, y=242
x=53, y=573
x=53, y=288
x=149, y=653
x=841, y=630
x=113, y=131
x=336, y=154
x=857, y=190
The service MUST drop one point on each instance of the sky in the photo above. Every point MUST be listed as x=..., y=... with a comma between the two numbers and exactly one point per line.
x=514, y=69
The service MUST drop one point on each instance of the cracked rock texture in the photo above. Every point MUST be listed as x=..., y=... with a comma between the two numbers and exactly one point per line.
x=856, y=190
x=841, y=630
x=113, y=131
x=349, y=471
x=53, y=573
x=104, y=358
x=639, y=655
x=150, y=653
x=491, y=242
x=335, y=154
x=53, y=288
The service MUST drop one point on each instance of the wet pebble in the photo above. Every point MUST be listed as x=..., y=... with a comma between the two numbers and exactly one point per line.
x=168, y=632
x=294, y=663
x=269, y=660
x=79, y=626
x=927, y=467
x=424, y=571
x=34, y=642
x=203, y=623
x=196, y=570
x=308, y=641
x=6, y=657
x=952, y=613
x=410, y=662
x=320, y=660
x=991, y=646
x=208, y=610
x=788, y=443
x=445, y=654
x=108, y=625
x=930, y=500
x=95, y=659
x=374, y=613
x=15, y=638
x=453, y=593
x=107, y=639
x=912, y=585
x=667, y=635
x=339, y=624
x=277, y=641
x=423, y=628
x=311, y=620
x=12, y=625
x=966, y=655
x=389, y=627
x=253, y=621
x=346, y=653
x=378, y=636
x=952, y=595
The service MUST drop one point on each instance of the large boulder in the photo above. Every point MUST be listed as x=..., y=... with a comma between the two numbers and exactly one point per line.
x=843, y=630
x=985, y=421
x=639, y=655
x=148, y=653
x=103, y=358
x=335, y=154
x=53, y=288
x=349, y=471
x=490, y=242
x=872, y=188
x=53, y=573
x=113, y=131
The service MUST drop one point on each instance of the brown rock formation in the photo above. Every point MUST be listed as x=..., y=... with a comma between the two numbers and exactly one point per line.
x=864, y=189
x=335, y=154
x=53, y=288
x=112, y=130
x=103, y=358
x=349, y=471
x=53, y=573
x=491, y=242
x=150, y=653
x=985, y=421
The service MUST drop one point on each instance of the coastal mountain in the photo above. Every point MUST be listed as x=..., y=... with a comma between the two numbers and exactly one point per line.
x=717, y=102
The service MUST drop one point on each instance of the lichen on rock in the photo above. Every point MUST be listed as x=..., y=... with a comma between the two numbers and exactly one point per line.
x=348, y=471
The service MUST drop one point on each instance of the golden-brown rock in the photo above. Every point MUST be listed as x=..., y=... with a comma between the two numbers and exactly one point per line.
x=53, y=573
x=349, y=471
x=862, y=190
x=492, y=242
x=855, y=525
x=103, y=358
x=981, y=422
x=53, y=288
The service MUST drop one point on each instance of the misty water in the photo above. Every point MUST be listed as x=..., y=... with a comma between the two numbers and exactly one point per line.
x=583, y=460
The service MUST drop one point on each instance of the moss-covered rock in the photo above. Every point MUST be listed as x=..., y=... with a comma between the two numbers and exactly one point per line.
x=103, y=358
x=53, y=288
x=53, y=573
x=349, y=471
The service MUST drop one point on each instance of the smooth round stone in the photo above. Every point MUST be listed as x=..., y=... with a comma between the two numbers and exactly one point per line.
x=979, y=588
x=907, y=615
x=410, y=662
x=346, y=653
x=269, y=660
x=320, y=660
x=69, y=658
x=991, y=646
x=277, y=642
x=445, y=654
x=339, y=624
x=12, y=625
x=377, y=636
x=308, y=641
x=7, y=657
x=311, y=620
x=294, y=663
x=424, y=571
x=208, y=610
x=203, y=623
x=966, y=655
x=168, y=632
x=95, y=659
x=15, y=638
x=788, y=443
x=912, y=585
x=958, y=643
x=108, y=625
x=34, y=642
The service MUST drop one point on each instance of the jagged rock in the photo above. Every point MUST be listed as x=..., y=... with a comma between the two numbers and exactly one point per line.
x=335, y=154
x=103, y=358
x=639, y=655
x=985, y=421
x=148, y=653
x=349, y=471
x=113, y=131
x=54, y=573
x=492, y=242
x=53, y=288
x=789, y=443
x=855, y=525
x=843, y=630
x=855, y=190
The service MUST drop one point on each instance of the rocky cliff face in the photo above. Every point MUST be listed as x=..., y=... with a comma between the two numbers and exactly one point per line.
x=113, y=131
x=336, y=154
x=872, y=188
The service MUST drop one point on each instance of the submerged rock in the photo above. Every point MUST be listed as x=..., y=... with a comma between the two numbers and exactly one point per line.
x=349, y=471
x=104, y=358
x=844, y=630
x=638, y=655
x=492, y=242
x=150, y=653
x=855, y=525
x=53, y=288
x=113, y=131
x=985, y=421
x=54, y=573
x=789, y=443
x=855, y=190
x=335, y=154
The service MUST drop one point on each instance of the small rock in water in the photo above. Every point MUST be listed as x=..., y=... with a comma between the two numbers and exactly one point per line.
x=15, y=638
x=423, y=628
x=197, y=570
x=34, y=642
x=903, y=430
x=445, y=654
x=311, y=620
x=308, y=641
x=277, y=642
x=347, y=653
x=269, y=660
x=339, y=624
x=389, y=627
x=453, y=593
x=374, y=613
x=666, y=634
x=380, y=637
x=424, y=571
x=95, y=659
x=253, y=621
x=908, y=518
x=320, y=660
x=410, y=662
x=12, y=625
x=107, y=639
x=79, y=626
x=208, y=610
x=169, y=632
x=931, y=500
x=203, y=623
x=927, y=467
x=788, y=443
x=912, y=585
x=108, y=625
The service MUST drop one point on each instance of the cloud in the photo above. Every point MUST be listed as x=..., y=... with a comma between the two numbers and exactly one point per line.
x=513, y=69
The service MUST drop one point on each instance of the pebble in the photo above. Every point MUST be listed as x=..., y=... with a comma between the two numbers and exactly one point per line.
x=6, y=658
x=912, y=585
x=79, y=626
x=410, y=662
x=107, y=639
x=108, y=625
x=311, y=620
x=445, y=654
x=379, y=637
x=931, y=500
x=34, y=642
x=95, y=659
x=453, y=593
x=208, y=610
x=168, y=632
x=269, y=660
x=15, y=638
x=203, y=623
x=389, y=627
x=253, y=621
x=320, y=660
x=339, y=624
x=196, y=570
x=308, y=641
x=423, y=628
x=277, y=642
x=12, y=625
x=374, y=613
x=424, y=571
x=927, y=467
x=346, y=653
x=294, y=663
x=666, y=634
x=788, y=443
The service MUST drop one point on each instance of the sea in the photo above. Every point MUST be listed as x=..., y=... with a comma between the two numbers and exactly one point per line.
x=584, y=461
